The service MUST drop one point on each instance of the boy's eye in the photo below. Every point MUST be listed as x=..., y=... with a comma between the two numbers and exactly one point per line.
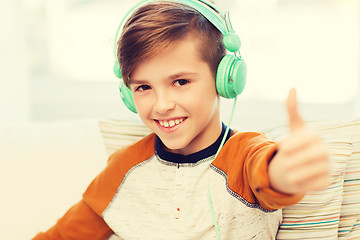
x=142, y=88
x=181, y=82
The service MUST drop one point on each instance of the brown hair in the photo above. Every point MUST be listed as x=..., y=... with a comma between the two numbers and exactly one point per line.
x=155, y=26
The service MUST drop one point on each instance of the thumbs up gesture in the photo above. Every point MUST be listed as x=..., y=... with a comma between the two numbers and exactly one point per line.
x=301, y=163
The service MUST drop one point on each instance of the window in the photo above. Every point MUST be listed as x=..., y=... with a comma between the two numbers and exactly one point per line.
x=310, y=45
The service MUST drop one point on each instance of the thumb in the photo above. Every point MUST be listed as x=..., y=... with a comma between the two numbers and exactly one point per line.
x=295, y=120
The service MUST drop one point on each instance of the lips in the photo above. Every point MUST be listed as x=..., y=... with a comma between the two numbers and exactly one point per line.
x=170, y=123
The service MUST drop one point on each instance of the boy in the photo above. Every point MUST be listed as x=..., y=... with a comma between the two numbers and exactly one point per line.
x=172, y=184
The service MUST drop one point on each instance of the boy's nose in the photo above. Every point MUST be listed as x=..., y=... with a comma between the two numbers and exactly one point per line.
x=164, y=103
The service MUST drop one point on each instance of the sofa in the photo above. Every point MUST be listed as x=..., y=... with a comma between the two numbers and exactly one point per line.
x=45, y=168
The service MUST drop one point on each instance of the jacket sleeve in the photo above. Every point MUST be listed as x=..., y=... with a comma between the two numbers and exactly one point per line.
x=81, y=223
x=257, y=165
x=245, y=159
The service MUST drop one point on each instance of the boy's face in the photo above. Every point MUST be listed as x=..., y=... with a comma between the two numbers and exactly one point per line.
x=175, y=96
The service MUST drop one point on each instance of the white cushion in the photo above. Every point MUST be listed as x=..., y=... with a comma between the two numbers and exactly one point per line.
x=333, y=213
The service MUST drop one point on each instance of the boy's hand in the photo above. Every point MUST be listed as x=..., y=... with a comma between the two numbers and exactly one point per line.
x=301, y=163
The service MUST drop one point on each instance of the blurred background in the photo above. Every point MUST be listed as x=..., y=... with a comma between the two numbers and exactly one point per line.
x=56, y=59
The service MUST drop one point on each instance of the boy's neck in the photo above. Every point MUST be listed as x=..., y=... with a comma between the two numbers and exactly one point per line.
x=194, y=157
x=202, y=141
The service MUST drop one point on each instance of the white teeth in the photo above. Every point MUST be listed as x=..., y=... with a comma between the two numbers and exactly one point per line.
x=170, y=123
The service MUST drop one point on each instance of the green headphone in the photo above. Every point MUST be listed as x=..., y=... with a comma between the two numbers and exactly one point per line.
x=231, y=72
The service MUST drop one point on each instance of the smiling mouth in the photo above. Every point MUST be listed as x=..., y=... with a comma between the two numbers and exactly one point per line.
x=171, y=123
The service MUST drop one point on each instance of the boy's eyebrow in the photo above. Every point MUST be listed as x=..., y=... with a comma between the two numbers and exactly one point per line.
x=171, y=77
x=134, y=81
x=182, y=74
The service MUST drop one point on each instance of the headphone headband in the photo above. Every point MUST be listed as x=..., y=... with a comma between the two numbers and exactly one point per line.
x=205, y=8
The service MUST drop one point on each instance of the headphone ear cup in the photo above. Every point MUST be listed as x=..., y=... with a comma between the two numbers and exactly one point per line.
x=230, y=76
x=125, y=92
x=126, y=96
